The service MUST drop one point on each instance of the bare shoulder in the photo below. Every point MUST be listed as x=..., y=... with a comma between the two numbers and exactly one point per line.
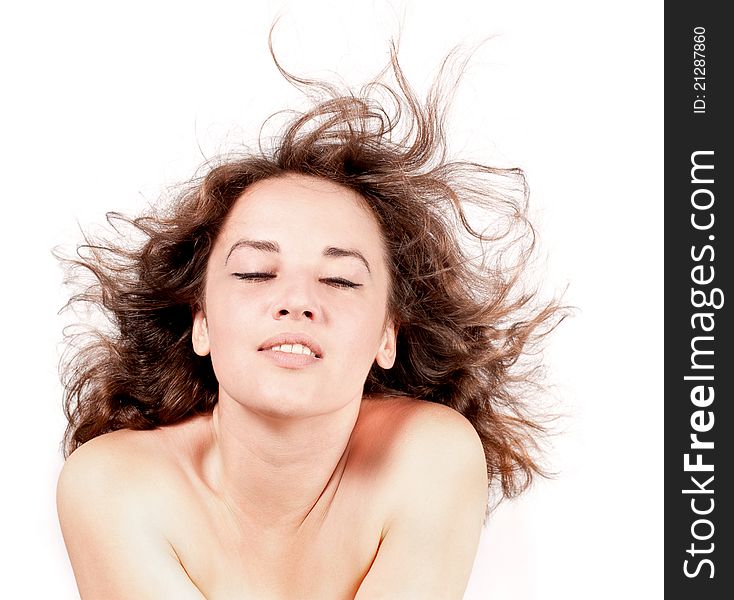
x=430, y=466
x=113, y=498
x=128, y=472
x=417, y=445
x=409, y=429
x=121, y=462
x=115, y=478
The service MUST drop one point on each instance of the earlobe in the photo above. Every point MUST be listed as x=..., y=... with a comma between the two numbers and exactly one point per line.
x=200, y=333
x=388, y=347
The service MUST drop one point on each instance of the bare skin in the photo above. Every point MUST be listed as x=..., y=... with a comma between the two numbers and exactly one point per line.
x=399, y=516
x=295, y=486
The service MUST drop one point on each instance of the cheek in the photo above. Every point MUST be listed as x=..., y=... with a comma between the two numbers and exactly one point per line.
x=229, y=320
x=363, y=333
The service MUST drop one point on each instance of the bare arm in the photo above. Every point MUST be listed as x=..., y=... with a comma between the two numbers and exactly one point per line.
x=113, y=531
x=430, y=540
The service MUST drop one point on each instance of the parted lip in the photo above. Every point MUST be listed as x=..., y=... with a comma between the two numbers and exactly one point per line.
x=292, y=338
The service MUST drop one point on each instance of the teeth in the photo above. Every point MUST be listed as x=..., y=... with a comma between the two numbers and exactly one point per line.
x=293, y=349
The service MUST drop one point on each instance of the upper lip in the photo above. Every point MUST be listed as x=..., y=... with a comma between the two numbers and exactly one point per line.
x=293, y=338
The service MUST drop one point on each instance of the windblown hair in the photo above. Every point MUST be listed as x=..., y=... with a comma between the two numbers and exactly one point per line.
x=458, y=293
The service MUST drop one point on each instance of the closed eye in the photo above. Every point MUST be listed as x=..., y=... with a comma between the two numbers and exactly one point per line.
x=254, y=276
x=338, y=282
x=342, y=283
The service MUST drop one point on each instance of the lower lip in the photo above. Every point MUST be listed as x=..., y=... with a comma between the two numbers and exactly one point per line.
x=290, y=361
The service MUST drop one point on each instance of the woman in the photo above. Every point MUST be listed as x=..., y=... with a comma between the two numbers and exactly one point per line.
x=309, y=381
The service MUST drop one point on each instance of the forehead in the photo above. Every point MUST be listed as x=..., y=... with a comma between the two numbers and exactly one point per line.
x=305, y=206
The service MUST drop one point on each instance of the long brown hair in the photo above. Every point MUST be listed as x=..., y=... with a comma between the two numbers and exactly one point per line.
x=467, y=321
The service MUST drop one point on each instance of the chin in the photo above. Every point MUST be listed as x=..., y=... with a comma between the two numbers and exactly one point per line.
x=286, y=404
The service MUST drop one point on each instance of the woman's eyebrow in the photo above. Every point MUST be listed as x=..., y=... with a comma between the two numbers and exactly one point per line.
x=268, y=246
x=340, y=252
x=264, y=245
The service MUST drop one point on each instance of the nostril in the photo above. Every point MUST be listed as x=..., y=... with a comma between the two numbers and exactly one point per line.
x=308, y=314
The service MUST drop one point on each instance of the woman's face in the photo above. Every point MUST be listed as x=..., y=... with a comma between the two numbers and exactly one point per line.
x=299, y=260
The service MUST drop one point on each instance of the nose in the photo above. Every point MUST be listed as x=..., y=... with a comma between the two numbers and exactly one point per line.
x=297, y=301
x=284, y=312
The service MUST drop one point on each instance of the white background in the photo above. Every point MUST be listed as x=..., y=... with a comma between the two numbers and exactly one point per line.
x=104, y=104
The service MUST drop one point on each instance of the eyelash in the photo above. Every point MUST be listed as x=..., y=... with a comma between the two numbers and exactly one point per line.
x=333, y=281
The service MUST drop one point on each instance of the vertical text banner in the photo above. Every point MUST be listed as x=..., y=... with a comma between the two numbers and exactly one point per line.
x=699, y=260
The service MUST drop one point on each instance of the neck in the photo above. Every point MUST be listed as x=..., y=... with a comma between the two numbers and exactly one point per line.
x=276, y=472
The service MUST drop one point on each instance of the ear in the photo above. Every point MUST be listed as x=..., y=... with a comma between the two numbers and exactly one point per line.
x=388, y=345
x=200, y=333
